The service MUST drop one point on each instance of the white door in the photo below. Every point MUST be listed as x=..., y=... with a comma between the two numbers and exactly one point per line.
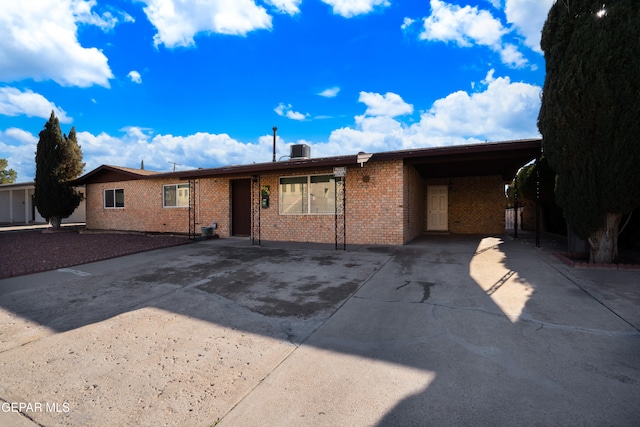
x=437, y=208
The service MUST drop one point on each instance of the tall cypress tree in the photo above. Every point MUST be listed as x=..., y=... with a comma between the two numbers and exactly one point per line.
x=58, y=160
x=590, y=115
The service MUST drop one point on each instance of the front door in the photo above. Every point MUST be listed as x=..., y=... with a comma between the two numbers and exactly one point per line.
x=437, y=208
x=241, y=207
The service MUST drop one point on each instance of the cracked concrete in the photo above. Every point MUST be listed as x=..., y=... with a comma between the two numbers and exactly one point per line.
x=444, y=331
x=448, y=332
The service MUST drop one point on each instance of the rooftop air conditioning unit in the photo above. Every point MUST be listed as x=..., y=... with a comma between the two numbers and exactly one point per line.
x=300, y=151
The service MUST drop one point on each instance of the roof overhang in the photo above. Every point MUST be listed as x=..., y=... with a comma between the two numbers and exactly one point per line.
x=17, y=186
x=261, y=168
x=499, y=158
x=107, y=173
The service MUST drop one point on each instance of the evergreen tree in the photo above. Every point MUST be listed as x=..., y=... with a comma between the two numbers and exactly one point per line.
x=6, y=176
x=58, y=160
x=590, y=115
x=527, y=181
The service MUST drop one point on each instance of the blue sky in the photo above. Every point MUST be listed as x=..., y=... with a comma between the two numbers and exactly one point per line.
x=202, y=83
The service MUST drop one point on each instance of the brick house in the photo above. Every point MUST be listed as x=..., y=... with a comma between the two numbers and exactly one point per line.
x=383, y=198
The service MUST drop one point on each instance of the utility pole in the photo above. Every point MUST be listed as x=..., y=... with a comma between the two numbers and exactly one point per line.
x=174, y=165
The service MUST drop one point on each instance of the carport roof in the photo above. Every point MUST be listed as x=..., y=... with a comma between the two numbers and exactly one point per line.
x=495, y=158
x=499, y=158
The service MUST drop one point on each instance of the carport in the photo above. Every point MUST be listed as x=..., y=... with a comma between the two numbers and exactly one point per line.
x=449, y=172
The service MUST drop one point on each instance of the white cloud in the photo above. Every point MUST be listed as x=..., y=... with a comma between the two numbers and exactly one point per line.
x=286, y=6
x=351, y=8
x=14, y=102
x=406, y=23
x=178, y=21
x=389, y=104
x=465, y=26
x=135, y=76
x=504, y=110
x=528, y=18
x=331, y=92
x=501, y=110
x=496, y=3
x=40, y=42
x=192, y=151
x=21, y=135
x=84, y=13
x=498, y=109
x=512, y=57
x=287, y=111
x=19, y=147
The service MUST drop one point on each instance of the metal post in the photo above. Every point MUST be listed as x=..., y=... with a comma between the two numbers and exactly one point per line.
x=256, y=201
x=344, y=212
x=335, y=204
x=192, y=209
x=259, y=210
x=537, y=202
x=340, y=175
x=515, y=208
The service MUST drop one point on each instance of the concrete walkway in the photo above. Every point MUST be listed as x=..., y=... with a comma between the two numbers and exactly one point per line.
x=444, y=331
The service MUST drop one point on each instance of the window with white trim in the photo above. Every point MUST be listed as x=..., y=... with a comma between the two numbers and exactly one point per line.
x=175, y=195
x=308, y=195
x=114, y=198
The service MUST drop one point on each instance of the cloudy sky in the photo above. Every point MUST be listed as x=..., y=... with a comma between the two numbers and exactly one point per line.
x=202, y=82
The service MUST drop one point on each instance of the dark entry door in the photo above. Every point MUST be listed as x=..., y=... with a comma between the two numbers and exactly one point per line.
x=241, y=207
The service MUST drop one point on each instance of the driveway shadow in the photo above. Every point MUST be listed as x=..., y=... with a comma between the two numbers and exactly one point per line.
x=520, y=342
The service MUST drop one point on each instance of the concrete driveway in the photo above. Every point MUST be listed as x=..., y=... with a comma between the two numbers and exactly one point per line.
x=443, y=331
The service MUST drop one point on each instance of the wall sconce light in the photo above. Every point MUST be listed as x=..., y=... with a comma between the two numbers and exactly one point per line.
x=363, y=158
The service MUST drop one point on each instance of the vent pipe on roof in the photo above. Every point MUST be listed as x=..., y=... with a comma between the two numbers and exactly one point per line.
x=300, y=151
x=275, y=129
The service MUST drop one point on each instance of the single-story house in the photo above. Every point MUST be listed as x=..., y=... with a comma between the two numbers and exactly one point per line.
x=17, y=206
x=381, y=198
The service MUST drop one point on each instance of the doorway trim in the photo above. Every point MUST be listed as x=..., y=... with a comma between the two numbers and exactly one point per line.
x=437, y=208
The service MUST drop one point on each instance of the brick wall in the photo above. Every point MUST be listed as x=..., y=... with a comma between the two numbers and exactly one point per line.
x=414, y=206
x=375, y=203
x=374, y=208
x=142, y=210
x=476, y=204
x=213, y=204
x=385, y=204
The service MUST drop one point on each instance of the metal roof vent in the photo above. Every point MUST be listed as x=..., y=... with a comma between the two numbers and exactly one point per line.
x=300, y=151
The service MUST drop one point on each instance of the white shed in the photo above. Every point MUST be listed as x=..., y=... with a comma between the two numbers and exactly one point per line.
x=17, y=207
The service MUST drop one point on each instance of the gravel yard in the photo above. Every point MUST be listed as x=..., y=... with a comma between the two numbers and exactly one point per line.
x=33, y=251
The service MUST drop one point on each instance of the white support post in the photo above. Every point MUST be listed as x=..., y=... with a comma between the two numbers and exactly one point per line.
x=10, y=206
x=26, y=206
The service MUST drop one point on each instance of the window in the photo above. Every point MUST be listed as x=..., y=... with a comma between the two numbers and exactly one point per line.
x=114, y=198
x=304, y=195
x=175, y=195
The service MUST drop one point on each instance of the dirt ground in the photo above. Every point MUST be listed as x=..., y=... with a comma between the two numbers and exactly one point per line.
x=33, y=251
